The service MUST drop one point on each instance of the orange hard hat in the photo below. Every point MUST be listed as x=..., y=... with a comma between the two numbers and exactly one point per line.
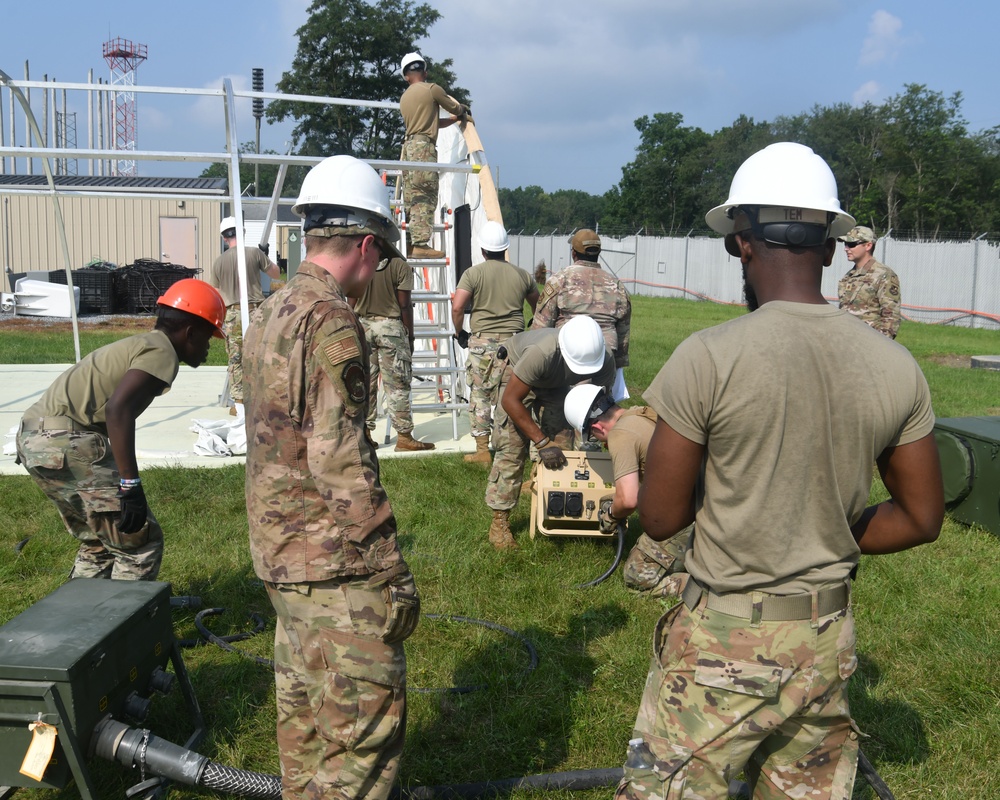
x=198, y=298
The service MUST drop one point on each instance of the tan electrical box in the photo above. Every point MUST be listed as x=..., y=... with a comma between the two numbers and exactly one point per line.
x=564, y=502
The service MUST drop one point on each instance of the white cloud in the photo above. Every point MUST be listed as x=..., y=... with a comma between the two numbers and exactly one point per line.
x=884, y=40
x=866, y=93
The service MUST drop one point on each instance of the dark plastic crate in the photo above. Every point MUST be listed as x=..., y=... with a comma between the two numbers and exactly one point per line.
x=145, y=286
x=97, y=289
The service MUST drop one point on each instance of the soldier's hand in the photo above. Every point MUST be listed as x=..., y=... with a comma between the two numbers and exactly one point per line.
x=605, y=522
x=552, y=456
x=403, y=601
x=462, y=337
x=265, y=248
x=134, y=509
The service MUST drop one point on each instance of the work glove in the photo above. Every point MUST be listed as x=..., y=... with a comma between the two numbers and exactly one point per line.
x=552, y=456
x=265, y=248
x=462, y=337
x=403, y=601
x=605, y=522
x=134, y=509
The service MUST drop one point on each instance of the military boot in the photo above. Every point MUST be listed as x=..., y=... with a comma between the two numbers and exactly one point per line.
x=482, y=454
x=500, y=536
x=425, y=251
x=406, y=443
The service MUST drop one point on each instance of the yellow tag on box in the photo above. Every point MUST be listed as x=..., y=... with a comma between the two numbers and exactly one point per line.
x=43, y=743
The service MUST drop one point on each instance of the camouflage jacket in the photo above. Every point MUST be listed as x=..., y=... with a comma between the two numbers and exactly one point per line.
x=585, y=288
x=872, y=295
x=315, y=505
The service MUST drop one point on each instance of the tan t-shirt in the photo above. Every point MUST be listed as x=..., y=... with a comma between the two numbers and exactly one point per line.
x=82, y=392
x=794, y=402
x=379, y=298
x=535, y=358
x=225, y=275
x=419, y=107
x=498, y=291
x=628, y=441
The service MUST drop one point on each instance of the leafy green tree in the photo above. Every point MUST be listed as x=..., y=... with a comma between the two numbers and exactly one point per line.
x=268, y=174
x=352, y=49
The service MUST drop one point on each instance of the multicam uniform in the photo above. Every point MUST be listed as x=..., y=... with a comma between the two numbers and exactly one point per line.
x=388, y=343
x=534, y=357
x=651, y=566
x=871, y=293
x=752, y=668
x=498, y=290
x=419, y=107
x=585, y=289
x=322, y=537
x=225, y=278
x=63, y=443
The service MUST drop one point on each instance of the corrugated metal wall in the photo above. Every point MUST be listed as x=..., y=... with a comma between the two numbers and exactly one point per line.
x=118, y=230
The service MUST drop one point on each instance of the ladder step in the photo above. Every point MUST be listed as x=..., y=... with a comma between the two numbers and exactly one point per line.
x=430, y=297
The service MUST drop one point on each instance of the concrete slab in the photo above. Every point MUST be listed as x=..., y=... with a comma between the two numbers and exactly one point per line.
x=163, y=434
x=985, y=362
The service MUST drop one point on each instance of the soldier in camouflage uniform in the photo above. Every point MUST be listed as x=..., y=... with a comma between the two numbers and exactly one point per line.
x=386, y=314
x=585, y=288
x=869, y=290
x=419, y=106
x=496, y=291
x=78, y=440
x=766, y=429
x=537, y=369
x=225, y=277
x=652, y=566
x=322, y=532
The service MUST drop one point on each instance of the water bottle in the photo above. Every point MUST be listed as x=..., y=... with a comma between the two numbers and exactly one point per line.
x=639, y=756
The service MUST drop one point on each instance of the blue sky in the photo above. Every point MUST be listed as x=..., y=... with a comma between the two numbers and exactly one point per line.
x=556, y=85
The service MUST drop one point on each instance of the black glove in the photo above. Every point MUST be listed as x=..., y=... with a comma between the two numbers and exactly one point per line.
x=462, y=337
x=403, y=601
x=552, y=456
x=265, y=248
x=133, y=509
x=605, y=522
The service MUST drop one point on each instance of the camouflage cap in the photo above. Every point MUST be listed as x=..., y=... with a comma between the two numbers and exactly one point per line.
x=859, y=233
x=327, y=221
x=585, y=241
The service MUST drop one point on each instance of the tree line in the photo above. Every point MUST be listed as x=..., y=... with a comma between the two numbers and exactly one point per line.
x=909, y=165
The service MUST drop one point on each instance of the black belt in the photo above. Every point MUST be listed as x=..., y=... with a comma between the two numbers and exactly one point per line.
x=770, y=607
x=51, y=424
x=425, y=136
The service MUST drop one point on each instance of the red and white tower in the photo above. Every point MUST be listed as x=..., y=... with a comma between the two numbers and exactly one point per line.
x=124, y=57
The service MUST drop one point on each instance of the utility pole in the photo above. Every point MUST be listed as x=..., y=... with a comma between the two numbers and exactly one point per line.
x=258, y=112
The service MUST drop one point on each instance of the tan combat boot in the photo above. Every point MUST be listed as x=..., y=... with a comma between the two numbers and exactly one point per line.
x=406, y=443
x=500, y=536
x=425, y=251
x=482, y=454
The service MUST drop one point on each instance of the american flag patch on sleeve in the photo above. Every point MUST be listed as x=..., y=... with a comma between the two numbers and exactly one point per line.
x=343, y=347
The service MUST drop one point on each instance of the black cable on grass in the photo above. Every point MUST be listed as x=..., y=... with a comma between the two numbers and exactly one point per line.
x=224, y=643
x=614, y=564
x=528, y=646
x=878, y=785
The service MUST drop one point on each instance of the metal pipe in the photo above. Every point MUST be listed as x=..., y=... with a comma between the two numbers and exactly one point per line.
x=90, y=119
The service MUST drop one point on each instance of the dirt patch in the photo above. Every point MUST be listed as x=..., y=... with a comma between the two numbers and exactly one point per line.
x=951, y=360
x=126, y=323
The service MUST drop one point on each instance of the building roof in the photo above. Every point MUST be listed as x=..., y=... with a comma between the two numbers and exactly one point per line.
x=95, y=183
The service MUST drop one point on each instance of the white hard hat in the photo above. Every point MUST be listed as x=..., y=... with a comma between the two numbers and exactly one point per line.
x=580, y=401
x=228, y=224
x=493, y=238
x=411, y=58
x=582, y=345
x=343, y=191
x=785, y=175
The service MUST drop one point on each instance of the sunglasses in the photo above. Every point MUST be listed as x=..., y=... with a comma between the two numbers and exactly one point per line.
x=849, y=245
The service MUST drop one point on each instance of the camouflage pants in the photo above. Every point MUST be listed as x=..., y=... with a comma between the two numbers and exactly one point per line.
x=503, y=487
x=233, y=328
x=724, y=693
x=340, y=690
x=651, y=564
x=420, y=189
x=389, y=356
x=484, y=382
x=77, y=472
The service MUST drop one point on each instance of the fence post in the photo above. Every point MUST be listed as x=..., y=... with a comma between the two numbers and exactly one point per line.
x=687, y=244
x=975, y=277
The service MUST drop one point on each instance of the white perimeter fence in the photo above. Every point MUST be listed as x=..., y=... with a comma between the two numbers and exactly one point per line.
x=956, y=283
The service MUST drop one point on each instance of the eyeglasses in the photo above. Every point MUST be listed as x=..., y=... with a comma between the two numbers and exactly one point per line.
x=849, y=245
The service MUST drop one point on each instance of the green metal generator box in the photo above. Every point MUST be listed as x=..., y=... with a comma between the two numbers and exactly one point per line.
x=81, y=653
x=970, y=466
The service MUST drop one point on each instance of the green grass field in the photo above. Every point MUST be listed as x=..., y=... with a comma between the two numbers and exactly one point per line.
x=927, y=693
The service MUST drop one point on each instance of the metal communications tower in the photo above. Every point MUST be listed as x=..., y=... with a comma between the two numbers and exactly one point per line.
x=124, y=57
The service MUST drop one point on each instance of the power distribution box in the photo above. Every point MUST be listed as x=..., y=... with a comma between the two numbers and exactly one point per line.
x=81, y=653
x=564, y=502
x=970, y=466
